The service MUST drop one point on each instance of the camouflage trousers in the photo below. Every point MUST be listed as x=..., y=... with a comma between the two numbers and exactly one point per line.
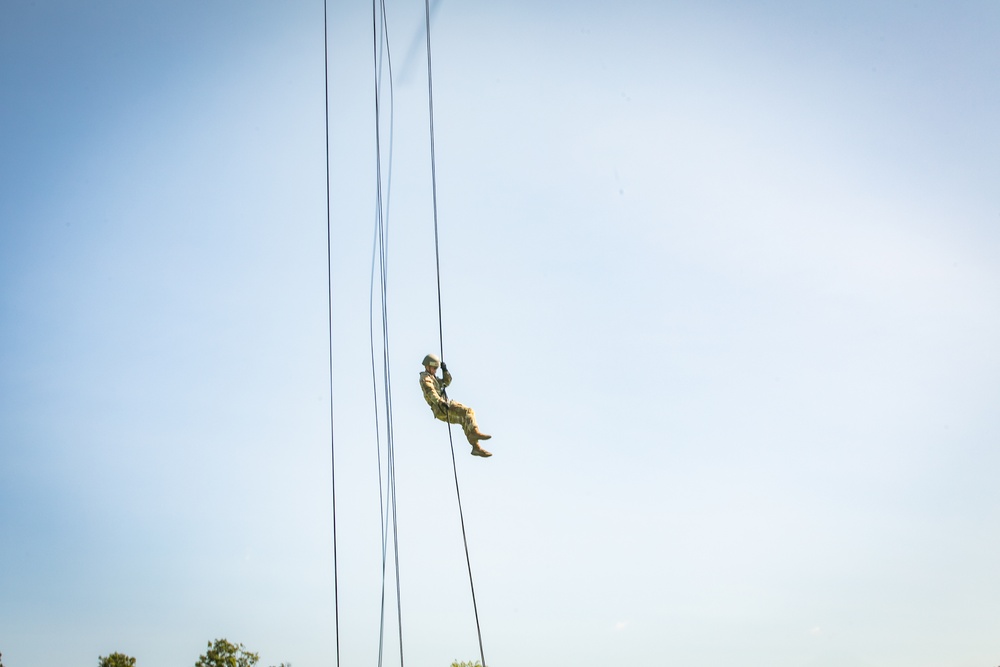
x=456, y=413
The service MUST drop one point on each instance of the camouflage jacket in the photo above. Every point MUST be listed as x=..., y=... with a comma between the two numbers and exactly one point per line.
x=433, y=388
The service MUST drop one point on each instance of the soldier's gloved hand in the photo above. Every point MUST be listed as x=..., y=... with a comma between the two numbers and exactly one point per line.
x=444, y=367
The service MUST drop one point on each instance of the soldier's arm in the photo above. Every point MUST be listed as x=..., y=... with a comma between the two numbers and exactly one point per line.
x=446, y=376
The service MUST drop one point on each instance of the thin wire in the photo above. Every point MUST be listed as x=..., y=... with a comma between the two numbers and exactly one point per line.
x=383, y=521
x=329, y=305
x=437, y=263
x=380, y=46
x=376, y=241
x=378, y=444
x=465, y=542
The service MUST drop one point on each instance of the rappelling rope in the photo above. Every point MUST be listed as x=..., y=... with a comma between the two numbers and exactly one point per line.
x=437, y=265
x=387, y=508
x=329, y=306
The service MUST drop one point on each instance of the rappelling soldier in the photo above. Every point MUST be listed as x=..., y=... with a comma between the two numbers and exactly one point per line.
x=447, y=410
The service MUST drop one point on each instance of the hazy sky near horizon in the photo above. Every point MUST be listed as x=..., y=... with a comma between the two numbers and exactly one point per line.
x=722, y=279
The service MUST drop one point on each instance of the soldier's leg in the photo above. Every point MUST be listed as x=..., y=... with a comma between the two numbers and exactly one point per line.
x=456, y=413
x=466, y=416
x=470, y=425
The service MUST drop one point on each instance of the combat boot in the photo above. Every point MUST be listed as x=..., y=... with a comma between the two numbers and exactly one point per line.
x=479, y=451
x=480, y=435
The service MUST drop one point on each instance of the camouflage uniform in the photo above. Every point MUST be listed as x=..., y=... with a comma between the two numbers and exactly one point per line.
x=446, y=410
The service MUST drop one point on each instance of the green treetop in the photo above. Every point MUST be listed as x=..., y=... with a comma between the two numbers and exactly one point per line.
x=222, y=653
x=115, y=660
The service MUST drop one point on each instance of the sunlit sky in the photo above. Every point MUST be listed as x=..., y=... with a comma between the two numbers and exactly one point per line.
x=722, y=279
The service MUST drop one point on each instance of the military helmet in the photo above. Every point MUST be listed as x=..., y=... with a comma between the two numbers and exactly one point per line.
x=432, y=360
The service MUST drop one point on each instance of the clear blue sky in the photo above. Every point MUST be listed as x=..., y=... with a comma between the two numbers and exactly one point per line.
x=721, y=278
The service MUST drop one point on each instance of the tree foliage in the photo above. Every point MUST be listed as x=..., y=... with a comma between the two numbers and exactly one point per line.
x=466, y=664
x=114, y=660
x=222, y=653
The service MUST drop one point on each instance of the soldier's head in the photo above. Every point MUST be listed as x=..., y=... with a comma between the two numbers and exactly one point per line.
x=432, y=363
